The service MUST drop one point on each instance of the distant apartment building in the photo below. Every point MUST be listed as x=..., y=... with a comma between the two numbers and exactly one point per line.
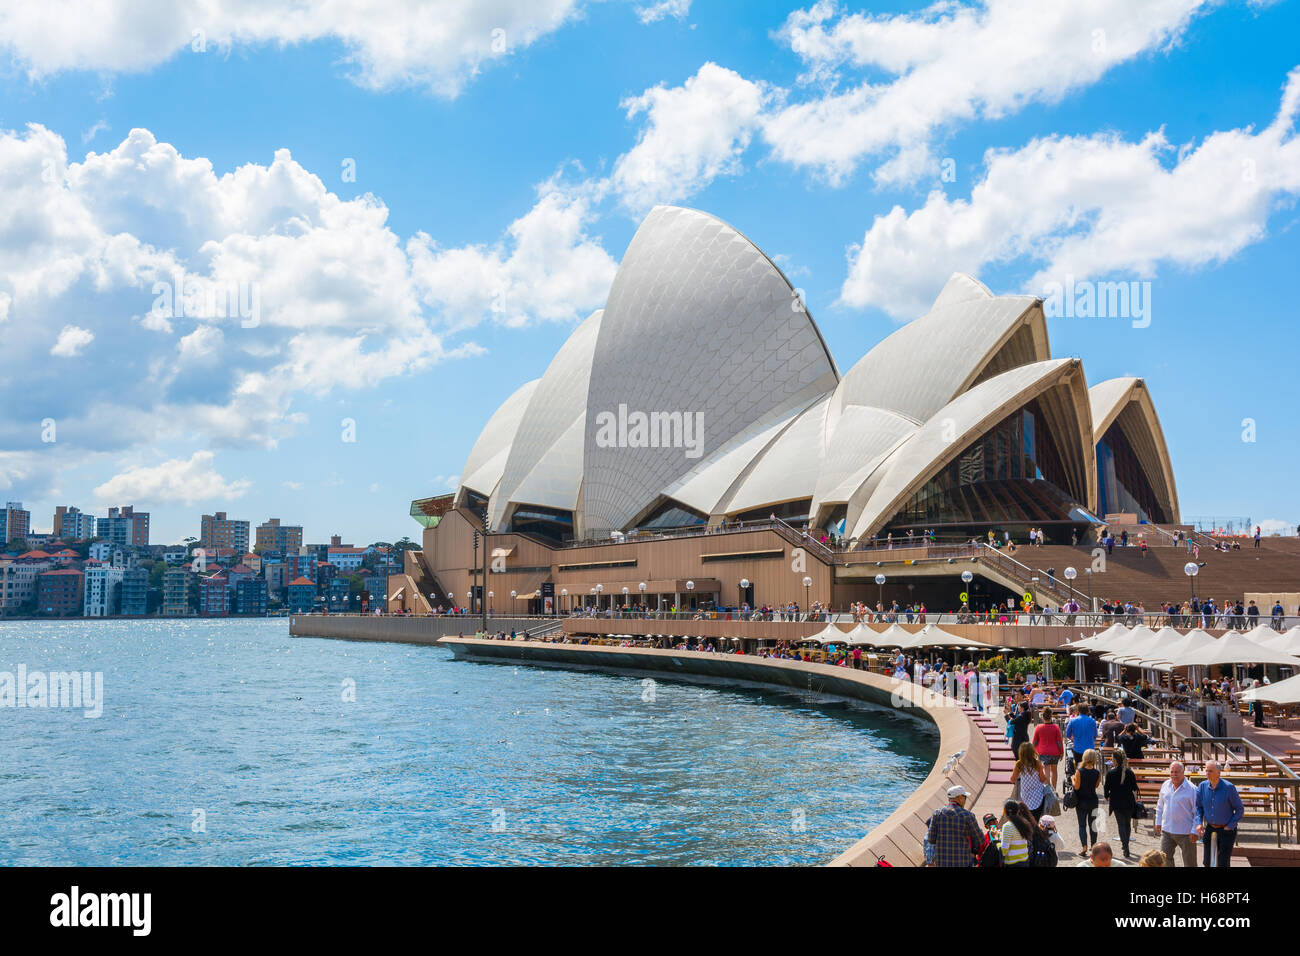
x=15, y=523
x=124, y=526
x=176, y=593
x=218, y=531
x=250, y=597
x=298, y=565
x=61, y=593
x=302, y=595
x=325, y=575
x=18, y=586
x=253, y=562
x=346, y=559
x=283, y=538
x=72, y=524
x=103, y=590
x=338, y=594
x=174, y=556
x=135, y=592
x=275, y=573
x=214, y=596
x=240, y=572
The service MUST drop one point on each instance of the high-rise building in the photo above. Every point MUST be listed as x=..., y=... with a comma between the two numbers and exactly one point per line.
x=218, y=531
x=273, y=536
x=250, y=597
x=103, y=590
x=60, y=593
x=176, y=593
x=124, y=526
x=15, y=523
x=18, y=585
x=214, y=596
x=135, y=592
x=72, y=524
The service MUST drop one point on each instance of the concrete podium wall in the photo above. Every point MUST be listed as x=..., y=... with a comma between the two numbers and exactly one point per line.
x=403, y=630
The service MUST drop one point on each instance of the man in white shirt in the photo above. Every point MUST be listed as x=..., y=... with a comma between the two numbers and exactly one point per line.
x=1175, y=819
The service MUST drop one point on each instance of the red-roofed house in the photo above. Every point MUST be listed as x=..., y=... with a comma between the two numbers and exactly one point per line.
x=301, y=595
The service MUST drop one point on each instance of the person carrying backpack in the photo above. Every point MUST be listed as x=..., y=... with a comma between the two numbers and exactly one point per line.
x=1043, y=845
x=1017, y=833
x=991, y=852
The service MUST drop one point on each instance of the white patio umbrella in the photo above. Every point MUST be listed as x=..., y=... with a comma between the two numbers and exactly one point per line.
x=934, y=636
x=896, y=636
x=1288, y=641
x=864, y=635
x=1175, y=645
x=1101, y=642
x=830, y=634
x=1132, y=646
x=1283, y=692
x=1234, y=648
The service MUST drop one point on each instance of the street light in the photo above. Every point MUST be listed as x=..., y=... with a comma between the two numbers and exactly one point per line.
x=1191, y=569
x=564, y=593
x=744, y=586
x=807, y=604
x=880, y=592
x=690, y=588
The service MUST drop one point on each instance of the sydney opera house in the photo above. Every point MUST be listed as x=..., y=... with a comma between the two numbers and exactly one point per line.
x=695, y=441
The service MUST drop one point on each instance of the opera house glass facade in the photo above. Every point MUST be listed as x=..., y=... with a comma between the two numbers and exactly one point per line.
x=703, y=394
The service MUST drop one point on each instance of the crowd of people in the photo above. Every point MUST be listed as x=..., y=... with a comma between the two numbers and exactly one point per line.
x=1095, y=743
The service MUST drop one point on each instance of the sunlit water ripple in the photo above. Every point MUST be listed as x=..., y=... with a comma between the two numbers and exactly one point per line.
x=436, y=762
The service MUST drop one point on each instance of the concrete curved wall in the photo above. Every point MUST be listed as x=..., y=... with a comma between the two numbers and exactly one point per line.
x=899, y=837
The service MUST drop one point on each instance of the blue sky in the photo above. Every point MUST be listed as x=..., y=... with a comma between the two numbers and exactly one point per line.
x=504, y=152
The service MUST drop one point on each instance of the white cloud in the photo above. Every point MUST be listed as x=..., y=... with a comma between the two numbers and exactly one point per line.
x=547, y=267
x=389, y=43
x=99, y=126
x=693, y=133
x=177, y=480
x=1086, y=207
x=341, y=301
x=654, y=12
x=71, y=341
x=951, y=63
x=292, y=485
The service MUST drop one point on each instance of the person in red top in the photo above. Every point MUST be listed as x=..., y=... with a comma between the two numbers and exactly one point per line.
x=1048, y=743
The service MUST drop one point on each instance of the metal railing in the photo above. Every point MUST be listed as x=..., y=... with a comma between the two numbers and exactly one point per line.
x=1274, y=776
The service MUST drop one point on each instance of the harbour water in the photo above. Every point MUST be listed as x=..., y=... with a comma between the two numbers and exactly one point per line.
x=230, y=743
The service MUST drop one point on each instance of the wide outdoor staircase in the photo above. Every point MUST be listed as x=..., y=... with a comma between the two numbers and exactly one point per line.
x=1159, y=577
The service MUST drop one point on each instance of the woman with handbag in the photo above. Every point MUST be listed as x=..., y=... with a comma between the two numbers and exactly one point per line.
x=1048, y=743
x=1085, y=781
x=1122, y=791
x=1029, y=780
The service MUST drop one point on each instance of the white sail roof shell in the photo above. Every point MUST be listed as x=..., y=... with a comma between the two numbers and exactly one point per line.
x=699, y=322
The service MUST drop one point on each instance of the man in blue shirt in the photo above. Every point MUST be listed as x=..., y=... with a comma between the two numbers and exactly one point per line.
x=1126, y=713
x=1067, y=697
x=1081, y=731
x=1218, y=811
